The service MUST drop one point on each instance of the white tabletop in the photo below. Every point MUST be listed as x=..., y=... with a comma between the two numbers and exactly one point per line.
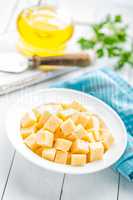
x=19, y=179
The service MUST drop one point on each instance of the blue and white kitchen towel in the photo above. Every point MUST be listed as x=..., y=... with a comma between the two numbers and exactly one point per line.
x=112, y=89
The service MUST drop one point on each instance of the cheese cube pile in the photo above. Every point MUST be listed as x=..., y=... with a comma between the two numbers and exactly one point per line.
x=66, y=133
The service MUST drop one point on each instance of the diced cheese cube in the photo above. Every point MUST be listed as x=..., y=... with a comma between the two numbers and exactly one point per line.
x=61, y=157
x=107, y=140
x=96, y=151
x=93, y=123
x=53, y=108
x=49, y=153
x=38, y=151
x=65, y=114
x=58, y=133
x=75, y=117
x=79, y=132
x=96, y=135
x=25, y=132
x=88, y=137
x=43, y=118
x=78, y=159
x=68, y=158
x=67, y=127
x=63, y=144
x=78, y=106
x=80, y=118
x=65, y=105
x=28, y=120
x=44, y=138
x=52, y=123
x=30, y=141
x=36, y=113
x=80, y=147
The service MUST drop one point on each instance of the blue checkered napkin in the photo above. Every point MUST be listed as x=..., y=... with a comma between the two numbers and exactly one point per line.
x=112, y=89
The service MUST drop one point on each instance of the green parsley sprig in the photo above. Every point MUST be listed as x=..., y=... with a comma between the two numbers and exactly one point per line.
x=110, y=38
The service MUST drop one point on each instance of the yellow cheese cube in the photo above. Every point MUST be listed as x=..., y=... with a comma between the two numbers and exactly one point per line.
x=38, y=151
x=88, y=136
x=49, y=153
x=80, y=118
x=65, y=105
x=80, y=147
x=65, y=114
x=78, y=159
x=96, y=151
x=67, y=127
x=52, y=123
x=79, y=132
x=107, y=140
x=78, y=106
x=61, y=157
x=28, y=120
x=25, y=132
x=68, y=158
x=58, y=133
x=30, y=141
x=44, y=138
x=93, y=123
x=53, y=108
x=63, y=144
x=36, y=113
x=96, y=135
x=43, y=118
x=75, y=117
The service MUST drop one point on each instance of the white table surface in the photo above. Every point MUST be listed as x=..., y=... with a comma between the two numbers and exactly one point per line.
x=19, y=179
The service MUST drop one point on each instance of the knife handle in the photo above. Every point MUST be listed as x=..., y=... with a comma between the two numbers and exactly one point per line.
x=81, y=59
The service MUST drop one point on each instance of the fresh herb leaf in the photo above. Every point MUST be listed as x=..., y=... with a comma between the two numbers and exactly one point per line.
x=86, y=44
x=110, y=39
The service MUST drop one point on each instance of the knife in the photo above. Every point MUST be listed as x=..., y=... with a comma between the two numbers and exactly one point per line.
x=13, y=62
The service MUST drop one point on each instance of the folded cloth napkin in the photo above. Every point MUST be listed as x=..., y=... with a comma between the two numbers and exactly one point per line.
x=112, y=89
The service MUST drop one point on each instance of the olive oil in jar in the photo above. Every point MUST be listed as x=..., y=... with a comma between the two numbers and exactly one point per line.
x=43, y=31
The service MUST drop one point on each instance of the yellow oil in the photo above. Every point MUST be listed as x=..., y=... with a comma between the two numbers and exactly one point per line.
x=43, y=31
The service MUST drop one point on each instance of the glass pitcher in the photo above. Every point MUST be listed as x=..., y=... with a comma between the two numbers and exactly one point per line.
x=43, y=30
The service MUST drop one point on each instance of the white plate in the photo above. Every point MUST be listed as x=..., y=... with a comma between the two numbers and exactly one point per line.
x=66, y=95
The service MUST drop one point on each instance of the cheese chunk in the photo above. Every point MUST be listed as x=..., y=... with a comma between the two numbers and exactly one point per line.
x=36, y=113
x=65, y=105
x=44, y=138
x=58, y=133
x=79, y=132
x=68, y=158
x=96, y=151
x=78, y=106
x=52, y=123
x=67, y=127
x=25, y=132
x=80, y=118
x=30, y=141
x=49, y=153
x=43, y=118
x=63, y=144
x=96, y=135
x=65, y=114
x=38, y=151
x=61, y=157
x=78, y=159
x=93, y=123
x=88, y=136
x=107, y=140
x=80, y=147
x=28, y=120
